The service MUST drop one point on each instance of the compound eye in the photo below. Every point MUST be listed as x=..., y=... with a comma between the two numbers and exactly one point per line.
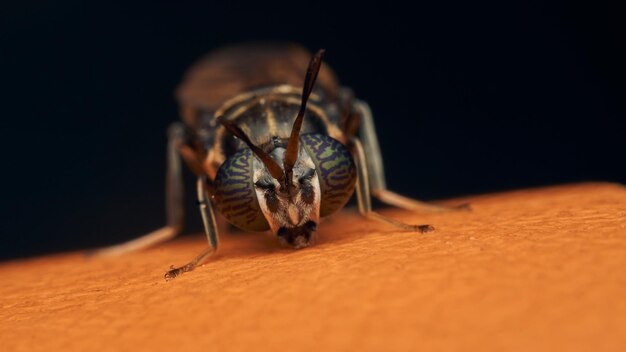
x=235, y=195
x=335, y=169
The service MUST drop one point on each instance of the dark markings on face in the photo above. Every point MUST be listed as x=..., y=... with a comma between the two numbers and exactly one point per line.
x=307, y=193
x=308, y=174
x=271, y=199
x=264, y=183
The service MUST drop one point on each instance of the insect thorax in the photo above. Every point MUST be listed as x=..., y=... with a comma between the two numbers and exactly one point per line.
x=266, y=115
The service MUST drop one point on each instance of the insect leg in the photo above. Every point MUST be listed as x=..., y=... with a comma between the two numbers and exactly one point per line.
x=377, y=170
x=364, y=196
x=174, y=201
x=210, y=229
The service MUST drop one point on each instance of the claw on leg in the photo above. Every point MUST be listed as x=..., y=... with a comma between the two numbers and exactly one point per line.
x=174, y=272
x=199, y=260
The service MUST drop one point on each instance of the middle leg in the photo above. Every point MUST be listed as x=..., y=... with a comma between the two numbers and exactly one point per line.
x=376, y=169
x=364, y=196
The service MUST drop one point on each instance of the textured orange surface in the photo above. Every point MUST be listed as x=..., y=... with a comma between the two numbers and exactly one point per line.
x=532, y=270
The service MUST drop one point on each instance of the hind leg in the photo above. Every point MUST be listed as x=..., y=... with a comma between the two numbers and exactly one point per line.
x=174, y=201
x=376, y=169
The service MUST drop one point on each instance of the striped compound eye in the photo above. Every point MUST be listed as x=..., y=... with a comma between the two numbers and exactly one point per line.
x=235, y=194
x=337, y=173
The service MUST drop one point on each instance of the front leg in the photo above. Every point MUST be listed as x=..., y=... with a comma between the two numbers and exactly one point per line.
x=363, y=195
x=210, y=229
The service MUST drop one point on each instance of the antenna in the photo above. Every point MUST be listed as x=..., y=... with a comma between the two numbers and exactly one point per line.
x=272, y=166
x=291, y=154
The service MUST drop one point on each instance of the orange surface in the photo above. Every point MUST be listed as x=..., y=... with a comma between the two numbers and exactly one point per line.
x=533, y=270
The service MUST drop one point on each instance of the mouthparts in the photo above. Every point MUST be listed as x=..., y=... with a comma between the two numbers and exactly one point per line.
x=298, y=237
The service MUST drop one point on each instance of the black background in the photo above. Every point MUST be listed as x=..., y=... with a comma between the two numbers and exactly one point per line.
x=469, y=98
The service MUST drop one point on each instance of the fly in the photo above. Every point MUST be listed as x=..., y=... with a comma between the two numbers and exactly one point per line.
x=269, y=152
